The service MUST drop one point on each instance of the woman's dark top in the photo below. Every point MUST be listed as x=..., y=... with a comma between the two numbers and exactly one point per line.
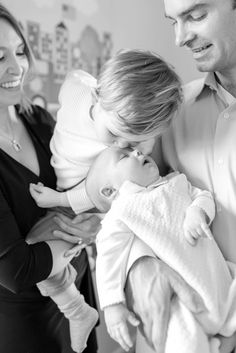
x=29, y=322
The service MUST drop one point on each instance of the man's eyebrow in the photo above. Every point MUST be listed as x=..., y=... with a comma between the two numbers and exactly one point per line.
x=189, y=10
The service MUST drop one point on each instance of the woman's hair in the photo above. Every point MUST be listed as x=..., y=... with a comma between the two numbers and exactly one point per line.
x=25, y=104
x=142, y=89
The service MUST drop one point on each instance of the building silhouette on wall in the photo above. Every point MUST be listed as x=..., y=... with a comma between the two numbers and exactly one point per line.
x=55, y=55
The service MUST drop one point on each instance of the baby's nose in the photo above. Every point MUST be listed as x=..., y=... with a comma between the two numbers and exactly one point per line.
x=136, y=153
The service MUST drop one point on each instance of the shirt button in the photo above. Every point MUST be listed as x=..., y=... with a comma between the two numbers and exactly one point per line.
x=226, y=115
x=220, y=161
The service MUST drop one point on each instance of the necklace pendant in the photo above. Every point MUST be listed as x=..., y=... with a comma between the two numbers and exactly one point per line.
x=17, y=147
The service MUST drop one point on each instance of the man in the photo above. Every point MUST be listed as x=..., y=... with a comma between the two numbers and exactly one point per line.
x=201, y=142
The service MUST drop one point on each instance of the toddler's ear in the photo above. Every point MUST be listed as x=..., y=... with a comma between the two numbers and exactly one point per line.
x=109, y=192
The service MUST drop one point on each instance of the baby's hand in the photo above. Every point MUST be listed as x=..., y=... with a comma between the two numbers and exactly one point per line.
x=116, y=318
x=195, y=225
x=44, y=196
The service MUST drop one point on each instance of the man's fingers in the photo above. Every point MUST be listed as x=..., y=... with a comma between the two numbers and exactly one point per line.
x=186, y=294
x=160, y=326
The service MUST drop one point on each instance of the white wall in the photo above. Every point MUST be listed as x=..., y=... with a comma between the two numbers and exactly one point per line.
x=133, y=24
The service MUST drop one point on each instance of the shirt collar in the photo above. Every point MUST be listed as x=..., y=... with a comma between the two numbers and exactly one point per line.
x=210, y=83
x=128, y=187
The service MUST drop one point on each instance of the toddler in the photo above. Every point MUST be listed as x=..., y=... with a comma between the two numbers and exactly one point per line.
x=133, y=101
x=172, y=217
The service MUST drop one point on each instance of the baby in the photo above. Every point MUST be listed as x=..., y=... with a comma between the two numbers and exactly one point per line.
x=170, y=215
x=132, y=103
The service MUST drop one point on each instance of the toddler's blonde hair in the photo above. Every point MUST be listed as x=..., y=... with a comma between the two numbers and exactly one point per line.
x=142, y=89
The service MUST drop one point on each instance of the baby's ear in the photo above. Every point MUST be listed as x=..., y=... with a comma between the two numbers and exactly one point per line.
x=108, y=191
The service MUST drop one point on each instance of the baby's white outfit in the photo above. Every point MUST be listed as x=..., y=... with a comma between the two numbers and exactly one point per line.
x=155, y=214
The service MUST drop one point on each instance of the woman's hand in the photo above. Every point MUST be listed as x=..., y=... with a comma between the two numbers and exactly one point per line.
x=43, y=229
x=81, y=230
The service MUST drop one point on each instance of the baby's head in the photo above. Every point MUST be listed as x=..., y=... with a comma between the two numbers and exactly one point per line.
x=138, y=94
x=112, y=167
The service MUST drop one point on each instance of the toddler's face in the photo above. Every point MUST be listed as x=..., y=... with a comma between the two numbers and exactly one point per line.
x=105, y=135
x=128, y=164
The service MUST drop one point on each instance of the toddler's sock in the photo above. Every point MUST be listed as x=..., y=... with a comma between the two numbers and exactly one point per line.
x=82, y=317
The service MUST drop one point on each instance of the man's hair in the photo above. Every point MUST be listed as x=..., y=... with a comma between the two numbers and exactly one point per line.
x=142, y=89
x=234, y=4
x=25, y=104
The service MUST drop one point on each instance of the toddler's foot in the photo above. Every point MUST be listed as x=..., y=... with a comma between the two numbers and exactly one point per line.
x=81, y=327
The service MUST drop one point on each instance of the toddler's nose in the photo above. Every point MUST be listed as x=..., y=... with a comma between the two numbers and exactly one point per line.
x=121, y=143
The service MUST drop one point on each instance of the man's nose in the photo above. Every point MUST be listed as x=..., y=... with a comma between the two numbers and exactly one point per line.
x=183, y=34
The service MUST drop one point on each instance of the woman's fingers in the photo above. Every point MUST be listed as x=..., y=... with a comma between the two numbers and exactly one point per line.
x=66, y=237
x=75, y=251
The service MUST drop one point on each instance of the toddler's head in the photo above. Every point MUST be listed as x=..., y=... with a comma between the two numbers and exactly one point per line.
x=138, y=96
x=112, y=167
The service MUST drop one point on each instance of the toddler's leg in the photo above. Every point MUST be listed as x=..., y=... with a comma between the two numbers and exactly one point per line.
x=81, y=316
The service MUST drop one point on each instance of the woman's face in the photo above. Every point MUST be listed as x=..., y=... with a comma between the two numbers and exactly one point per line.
x=14, y=65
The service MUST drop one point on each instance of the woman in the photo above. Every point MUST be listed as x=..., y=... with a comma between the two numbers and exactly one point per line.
x=29, y=322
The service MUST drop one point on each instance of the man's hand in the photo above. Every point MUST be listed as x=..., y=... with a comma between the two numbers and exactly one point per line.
x=195, y=225
x=117, y=317
x=149, y=289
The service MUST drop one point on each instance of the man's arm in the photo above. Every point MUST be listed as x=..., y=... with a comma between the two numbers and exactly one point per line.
x=149, y=288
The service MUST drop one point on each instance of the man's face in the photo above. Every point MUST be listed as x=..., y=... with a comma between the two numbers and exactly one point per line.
x=208, y=29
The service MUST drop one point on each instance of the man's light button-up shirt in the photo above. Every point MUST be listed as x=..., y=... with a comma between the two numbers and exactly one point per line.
x=201, y=143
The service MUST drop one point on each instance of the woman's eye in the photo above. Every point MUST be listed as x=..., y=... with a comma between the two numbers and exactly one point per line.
x=1, y=55
x=20, y=53
x=20, y=50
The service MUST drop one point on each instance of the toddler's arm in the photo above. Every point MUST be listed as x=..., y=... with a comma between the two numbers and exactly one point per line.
x=46, y=197
x=116, y=317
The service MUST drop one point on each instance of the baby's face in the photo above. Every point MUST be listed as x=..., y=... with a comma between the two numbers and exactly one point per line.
x=132, y=165
x=106, y=136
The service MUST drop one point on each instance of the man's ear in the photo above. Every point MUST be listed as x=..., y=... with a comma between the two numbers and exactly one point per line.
x=109, y=192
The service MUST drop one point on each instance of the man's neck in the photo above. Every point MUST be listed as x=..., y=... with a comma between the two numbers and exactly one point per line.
x=228, y=81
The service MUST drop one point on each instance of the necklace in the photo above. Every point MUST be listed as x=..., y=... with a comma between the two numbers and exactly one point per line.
x=14, y=143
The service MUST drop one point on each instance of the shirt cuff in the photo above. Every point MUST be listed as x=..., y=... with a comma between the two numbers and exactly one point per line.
x=207, y=206
x=79, y=200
